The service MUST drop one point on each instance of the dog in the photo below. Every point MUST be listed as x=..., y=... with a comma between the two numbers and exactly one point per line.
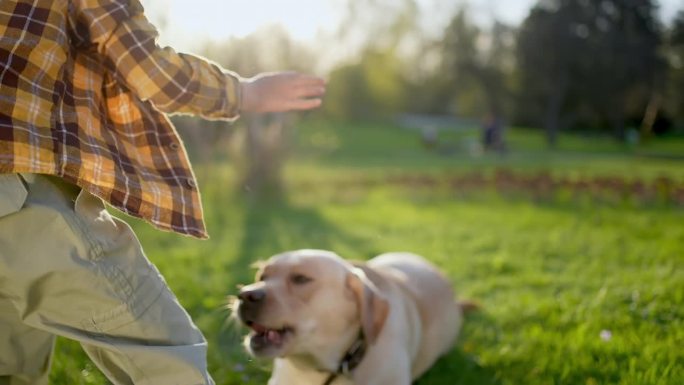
x=325, y=320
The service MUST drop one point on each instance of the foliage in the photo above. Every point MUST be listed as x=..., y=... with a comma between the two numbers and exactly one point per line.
x=371, y=88
x=476, y=62
x=268, y=49
x=675, y=91
x=594, y=64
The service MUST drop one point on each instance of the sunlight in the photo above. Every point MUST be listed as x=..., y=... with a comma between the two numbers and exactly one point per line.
x=185, y=22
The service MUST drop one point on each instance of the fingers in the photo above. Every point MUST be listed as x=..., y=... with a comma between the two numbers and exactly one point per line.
x=304, y=104
x=307, y=92
x=310, y=81
x=311, y=91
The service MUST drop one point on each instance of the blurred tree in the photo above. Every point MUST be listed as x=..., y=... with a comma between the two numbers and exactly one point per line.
x=546, y=70
x=370, y=89
x=478, y=65
x=270, y=48
x=593, y=61
x=379, y=23
x=402, y=68
x=675, y=89
x=373, y=84
x=626, y=76
x=464, y=70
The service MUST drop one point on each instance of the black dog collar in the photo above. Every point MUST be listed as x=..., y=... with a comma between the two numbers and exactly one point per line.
x=351, y=360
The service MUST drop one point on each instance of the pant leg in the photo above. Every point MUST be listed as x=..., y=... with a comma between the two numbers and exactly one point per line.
x=71, y=269
x=24, y=351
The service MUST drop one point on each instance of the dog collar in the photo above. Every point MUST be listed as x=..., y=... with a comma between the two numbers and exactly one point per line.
x=351, y=360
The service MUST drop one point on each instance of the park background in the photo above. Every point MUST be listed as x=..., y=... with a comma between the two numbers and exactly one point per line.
x=566, y=224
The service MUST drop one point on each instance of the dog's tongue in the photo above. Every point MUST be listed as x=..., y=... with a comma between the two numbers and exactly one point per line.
x=274, y=336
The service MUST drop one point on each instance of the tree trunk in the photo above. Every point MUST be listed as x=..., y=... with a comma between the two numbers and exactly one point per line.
x=552, y=118
x=265, y=153
x=650, y=116
x=553, y=110
x=619, y=120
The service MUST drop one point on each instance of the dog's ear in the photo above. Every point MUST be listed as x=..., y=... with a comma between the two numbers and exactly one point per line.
x=259, y=266
x=373, y=307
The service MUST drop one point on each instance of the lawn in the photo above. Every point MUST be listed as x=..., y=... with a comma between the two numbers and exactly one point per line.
x=576, y=287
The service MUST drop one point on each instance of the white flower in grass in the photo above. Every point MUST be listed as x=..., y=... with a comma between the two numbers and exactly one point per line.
x=606, y=335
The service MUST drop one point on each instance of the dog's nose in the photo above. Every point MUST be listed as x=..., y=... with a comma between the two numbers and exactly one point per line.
x=252, y=295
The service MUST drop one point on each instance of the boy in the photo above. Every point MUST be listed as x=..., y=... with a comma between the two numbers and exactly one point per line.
x=83, y=89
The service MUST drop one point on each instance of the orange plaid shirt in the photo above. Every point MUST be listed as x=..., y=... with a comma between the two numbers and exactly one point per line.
x=83, y=92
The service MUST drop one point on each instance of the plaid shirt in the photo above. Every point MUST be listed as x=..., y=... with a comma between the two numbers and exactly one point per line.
x=83, y=92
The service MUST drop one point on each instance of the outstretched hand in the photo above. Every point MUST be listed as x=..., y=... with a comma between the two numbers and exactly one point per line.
x=281, y=91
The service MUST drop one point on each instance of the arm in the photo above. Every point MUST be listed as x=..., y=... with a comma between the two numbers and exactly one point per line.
x=182, y=83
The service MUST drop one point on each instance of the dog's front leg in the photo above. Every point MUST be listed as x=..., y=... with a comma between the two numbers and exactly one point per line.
x=402, y=377
x=283, y=373
x=286, y=373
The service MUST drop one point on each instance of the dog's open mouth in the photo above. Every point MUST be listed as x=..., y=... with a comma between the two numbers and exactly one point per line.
x=264, y=337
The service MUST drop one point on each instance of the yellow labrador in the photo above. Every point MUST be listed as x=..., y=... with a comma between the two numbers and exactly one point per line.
x=328, y=321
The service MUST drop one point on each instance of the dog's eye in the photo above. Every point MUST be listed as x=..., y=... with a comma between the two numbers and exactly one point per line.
x=299, y=279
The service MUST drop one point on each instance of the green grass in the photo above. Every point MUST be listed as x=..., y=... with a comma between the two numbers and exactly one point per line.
x=372, y=147
x=551, y=273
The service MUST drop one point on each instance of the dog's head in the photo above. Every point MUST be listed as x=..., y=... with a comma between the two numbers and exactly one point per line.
x=306, y=300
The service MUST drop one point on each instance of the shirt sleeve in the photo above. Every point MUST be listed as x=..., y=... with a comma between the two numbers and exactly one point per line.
x=173, y=82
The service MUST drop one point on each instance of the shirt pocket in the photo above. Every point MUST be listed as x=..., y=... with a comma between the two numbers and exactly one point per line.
x=13, y=194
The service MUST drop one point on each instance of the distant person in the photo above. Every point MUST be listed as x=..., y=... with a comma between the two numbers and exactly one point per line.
x=430, y=137
x=493, y=134
x=83, y=92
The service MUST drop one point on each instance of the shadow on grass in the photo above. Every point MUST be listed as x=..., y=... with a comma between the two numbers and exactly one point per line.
x=459, y=367
x=273, y=224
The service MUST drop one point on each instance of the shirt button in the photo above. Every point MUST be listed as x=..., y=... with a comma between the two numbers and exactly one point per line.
x=191, y=183
x=174, y=146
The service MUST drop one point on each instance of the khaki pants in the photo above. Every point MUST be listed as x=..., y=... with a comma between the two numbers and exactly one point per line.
x=68, y=268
